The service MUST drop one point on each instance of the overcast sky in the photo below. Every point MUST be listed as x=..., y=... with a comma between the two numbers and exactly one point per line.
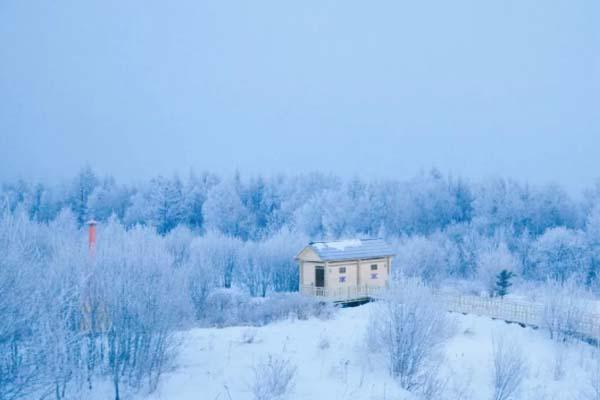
x=383, y=88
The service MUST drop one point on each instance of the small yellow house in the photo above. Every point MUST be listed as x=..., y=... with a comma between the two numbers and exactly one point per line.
x=345, y=270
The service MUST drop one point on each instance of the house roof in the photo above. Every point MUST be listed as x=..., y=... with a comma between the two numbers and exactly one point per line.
x=352, y=249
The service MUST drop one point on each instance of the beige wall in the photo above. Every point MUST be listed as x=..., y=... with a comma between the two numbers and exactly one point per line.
x=308, y=272
x=363, y=269
x=333, y=275
x=381, y=273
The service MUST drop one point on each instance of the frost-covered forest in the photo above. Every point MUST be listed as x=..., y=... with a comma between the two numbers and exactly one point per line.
x=206, y=250
x=442, y=226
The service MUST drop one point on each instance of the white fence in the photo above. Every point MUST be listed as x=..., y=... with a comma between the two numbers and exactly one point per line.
x=528, y=313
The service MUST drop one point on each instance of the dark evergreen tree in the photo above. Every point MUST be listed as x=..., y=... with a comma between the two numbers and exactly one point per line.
x=503, y=282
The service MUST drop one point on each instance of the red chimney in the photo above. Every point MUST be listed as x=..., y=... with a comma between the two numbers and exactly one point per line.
x=92, y=235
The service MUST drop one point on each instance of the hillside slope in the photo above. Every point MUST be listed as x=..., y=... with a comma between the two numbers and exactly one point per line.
x=333, y=362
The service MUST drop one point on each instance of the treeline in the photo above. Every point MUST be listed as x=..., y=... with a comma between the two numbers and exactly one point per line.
x=442, y=226
x=315, y=204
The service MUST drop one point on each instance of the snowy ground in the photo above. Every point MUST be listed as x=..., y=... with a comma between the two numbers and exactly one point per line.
x=217, y=363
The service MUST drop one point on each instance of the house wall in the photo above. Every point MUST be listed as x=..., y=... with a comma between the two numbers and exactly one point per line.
x=334, y=275
x=308, y=272
x=377, y=277
x=362, y=269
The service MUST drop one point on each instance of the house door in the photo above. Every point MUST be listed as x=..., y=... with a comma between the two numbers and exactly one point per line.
x=319, y=277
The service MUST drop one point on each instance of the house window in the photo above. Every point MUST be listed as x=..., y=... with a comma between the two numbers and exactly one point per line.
x=373, y=267
x=342, y=270
x=342, y=279
x=373, y=276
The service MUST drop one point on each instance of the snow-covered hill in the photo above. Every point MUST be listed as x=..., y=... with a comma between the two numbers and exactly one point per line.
x=333, y=361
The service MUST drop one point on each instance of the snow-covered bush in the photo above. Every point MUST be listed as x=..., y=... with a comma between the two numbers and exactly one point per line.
x=248, y=336
x=508, y=370
x=592, y=390
x=288, y=305
x=226, y=307
x=273, y=378
x=323, y=343
x=408, y=327
x=564, y=306
x=559, y=361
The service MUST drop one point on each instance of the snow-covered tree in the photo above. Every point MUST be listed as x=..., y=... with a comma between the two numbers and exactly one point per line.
x=224, y=211
x=81, y=188
x=270, y=264
x=220, y=253
x=430, y=258
x=592, y=237
x=559, y=254
x=195, y=194
x=141, y=301
x=107, y=199
x=166, y=204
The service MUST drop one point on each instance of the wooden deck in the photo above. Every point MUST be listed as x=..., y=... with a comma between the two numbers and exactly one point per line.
x=350, y=294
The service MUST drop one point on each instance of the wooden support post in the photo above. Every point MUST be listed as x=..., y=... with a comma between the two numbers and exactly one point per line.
x=357, y=275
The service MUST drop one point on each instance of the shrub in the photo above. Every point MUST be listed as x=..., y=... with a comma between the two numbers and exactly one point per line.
x=324, y=343
x=279, y=306
x=227, y=307
x=564, y=308
x=592, y=390
x=224, y=307
x=273, y=378
x=248, y=336
x=509, y=369
x=409, y=327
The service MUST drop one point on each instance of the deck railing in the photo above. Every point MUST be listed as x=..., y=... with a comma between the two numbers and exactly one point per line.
x=343, y=293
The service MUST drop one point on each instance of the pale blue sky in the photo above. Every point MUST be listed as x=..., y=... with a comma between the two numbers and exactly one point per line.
x=384, y=88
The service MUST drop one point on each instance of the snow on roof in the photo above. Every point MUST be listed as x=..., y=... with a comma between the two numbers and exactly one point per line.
x=351, y=249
